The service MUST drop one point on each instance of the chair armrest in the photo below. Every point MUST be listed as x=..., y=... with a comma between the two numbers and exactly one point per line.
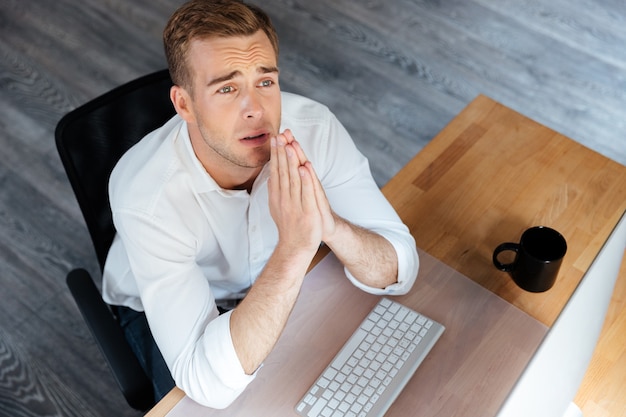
x=128, y=373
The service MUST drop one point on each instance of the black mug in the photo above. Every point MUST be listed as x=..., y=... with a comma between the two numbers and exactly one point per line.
x=538, y=257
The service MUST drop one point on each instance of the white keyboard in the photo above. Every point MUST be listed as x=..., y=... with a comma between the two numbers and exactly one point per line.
x=374, y=365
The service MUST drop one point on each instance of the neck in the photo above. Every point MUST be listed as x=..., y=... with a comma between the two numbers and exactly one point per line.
x=228, y=175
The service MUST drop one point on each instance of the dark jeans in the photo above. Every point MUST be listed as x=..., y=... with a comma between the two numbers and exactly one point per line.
x=142, y=343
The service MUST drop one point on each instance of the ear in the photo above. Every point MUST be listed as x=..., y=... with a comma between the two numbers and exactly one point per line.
x=182, y=103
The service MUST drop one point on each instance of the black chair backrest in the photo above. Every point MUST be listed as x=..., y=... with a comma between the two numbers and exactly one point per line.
x=92, y=138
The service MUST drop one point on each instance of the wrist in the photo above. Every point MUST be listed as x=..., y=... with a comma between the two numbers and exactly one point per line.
x=294, y=259
x=339, y=231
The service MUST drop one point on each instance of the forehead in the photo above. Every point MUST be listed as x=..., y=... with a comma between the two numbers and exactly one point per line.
x=218, y=54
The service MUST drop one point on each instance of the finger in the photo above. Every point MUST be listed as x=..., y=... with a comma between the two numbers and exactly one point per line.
x=301, y=156
x=292, y=140
x=309, y=202
x=282, y=164
x=318, y=189
x=273, y=182
x=294, y=174
x=273, y=158
x=289, y=136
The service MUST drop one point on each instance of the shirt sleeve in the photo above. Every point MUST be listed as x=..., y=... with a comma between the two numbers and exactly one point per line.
x=194, y=339
x=353, y=194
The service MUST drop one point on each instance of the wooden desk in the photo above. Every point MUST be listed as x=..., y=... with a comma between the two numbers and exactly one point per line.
x=490, y=174
x=486, y=345
x=486, y=177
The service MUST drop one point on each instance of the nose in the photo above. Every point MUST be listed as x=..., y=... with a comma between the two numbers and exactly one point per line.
x=252, y=106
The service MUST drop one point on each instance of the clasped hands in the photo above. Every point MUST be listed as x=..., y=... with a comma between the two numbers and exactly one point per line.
x=298, y=203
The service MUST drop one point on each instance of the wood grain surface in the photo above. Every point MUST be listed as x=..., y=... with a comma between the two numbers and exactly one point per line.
x=491, y=174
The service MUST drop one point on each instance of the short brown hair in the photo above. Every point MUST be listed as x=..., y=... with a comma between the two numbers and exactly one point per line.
x=210, y=18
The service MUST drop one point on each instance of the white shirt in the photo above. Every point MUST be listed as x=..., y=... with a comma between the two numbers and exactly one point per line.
x=182, y=241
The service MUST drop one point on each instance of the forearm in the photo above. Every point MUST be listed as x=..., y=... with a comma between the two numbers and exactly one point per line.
x=256, y=324
x=369, y=257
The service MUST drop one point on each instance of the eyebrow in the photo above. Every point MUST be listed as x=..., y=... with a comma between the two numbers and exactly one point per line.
x=236, y=73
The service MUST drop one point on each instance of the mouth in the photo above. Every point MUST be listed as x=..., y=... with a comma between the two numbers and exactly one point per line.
x=255, y=139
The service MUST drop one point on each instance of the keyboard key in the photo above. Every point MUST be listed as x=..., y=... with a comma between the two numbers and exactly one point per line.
x=402, y=312
x=330, y=373
x=317, y=408
x=349, y=347
x=368, y=325
x=410, y=317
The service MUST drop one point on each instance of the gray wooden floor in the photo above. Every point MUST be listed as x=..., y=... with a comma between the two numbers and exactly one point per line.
x=394, y=71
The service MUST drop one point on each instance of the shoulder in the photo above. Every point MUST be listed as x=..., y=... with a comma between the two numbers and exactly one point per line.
x=147, y=168
x=146, y=148
x=312, y=123
x=297, y=108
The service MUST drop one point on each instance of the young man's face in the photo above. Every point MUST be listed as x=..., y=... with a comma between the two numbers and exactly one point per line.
x=235, y=104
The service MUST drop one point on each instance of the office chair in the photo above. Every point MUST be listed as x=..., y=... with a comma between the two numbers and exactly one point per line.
x=90, y=140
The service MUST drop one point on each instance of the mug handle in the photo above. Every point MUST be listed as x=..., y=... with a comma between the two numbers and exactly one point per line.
x=501, y=248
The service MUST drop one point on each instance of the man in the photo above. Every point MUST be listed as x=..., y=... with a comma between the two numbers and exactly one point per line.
x=230, y=200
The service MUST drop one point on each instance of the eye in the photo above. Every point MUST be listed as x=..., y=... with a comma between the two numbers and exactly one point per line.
x=226, y=89
x=266, y=83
